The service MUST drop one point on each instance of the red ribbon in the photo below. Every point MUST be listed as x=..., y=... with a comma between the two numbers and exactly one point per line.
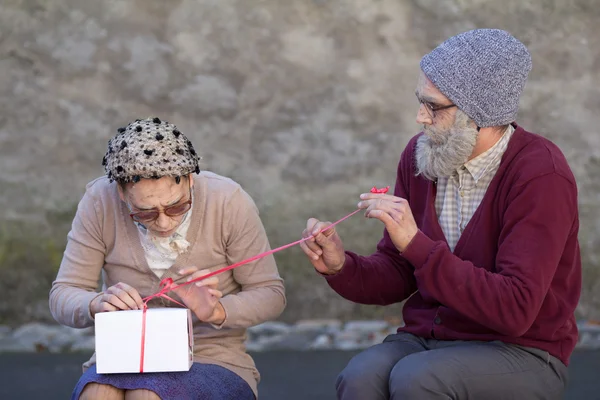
x=166, y=286
x=167, y=283
x=382, y=190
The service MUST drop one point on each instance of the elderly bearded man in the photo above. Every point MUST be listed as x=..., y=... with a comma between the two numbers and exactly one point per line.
x=480, y=237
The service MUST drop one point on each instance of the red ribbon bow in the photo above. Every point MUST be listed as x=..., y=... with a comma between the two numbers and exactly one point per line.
x=382, y=190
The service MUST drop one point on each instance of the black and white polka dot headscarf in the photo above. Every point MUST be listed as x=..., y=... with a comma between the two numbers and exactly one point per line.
x=149, y=148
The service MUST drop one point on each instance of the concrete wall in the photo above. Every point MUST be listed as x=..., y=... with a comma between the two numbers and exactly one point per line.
x=305, y=103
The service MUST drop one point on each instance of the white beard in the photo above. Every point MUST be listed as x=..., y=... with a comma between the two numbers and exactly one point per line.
x=440, y=153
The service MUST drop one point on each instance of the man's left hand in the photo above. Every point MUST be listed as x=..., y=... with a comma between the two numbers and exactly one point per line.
x=202, y=297
x=395, y=213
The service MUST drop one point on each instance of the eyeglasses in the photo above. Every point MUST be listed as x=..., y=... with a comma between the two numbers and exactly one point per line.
x=432, y=109
x=171, y=211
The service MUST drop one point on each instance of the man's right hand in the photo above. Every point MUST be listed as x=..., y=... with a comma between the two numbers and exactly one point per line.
x=117, y=297
x=324, y=248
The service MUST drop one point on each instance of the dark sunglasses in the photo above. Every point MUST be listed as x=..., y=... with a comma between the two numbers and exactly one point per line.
x=171, y=211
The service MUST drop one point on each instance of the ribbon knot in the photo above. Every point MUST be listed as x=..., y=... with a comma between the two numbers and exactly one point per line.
x=166, y=285
x=382, y=190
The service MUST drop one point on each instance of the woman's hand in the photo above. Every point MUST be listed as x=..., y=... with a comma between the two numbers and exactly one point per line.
x=117, y=297
x=202, y=297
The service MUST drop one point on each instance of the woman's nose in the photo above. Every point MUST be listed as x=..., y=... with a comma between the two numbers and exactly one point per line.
x=163, y=221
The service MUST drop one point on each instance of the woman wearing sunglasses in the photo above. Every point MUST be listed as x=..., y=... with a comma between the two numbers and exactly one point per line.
x=155, y=215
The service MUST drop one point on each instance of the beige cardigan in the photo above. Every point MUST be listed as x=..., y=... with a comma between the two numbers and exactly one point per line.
x=225, y=229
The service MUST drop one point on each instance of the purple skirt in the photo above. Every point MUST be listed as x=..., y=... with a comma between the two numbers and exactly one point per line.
x=202, y=381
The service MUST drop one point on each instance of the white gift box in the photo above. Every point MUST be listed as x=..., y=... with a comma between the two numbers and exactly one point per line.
x=168, y=342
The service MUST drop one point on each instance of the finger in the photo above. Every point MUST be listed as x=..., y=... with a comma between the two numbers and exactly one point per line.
x=311, y=232
x=390, y=208
x=364, y=204
x=137, y=298
x=115, y=301
x=328, y=230
x=395, y=215
x=380, y=204
x=384, y=217
x=133, y=293
x=120, y=291
x=201, y=273
x=310, y=224
x=324, y=228
x=187, y=271
x=313, y=246
x=214, y=292
x=211, y=282
x=127, y=299
x=307, y=234
x=327, y=242
x=315, y=259
x=107, y=307
x=372, y=196
x=311, y=254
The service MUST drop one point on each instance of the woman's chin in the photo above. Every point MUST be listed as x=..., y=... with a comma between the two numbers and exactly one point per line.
x=164, y=233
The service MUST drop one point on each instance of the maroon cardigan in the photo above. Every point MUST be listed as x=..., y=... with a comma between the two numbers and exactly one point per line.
x=515, y=274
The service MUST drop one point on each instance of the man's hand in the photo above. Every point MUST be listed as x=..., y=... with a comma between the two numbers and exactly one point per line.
x=202, y=297
x=395, y=213
x=325, y=249
x=117, y=297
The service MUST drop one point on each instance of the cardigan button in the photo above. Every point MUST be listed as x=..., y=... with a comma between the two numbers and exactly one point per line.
x=437, y=320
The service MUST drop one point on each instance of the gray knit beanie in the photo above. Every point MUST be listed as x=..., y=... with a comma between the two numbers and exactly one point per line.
x=483, y=72
x=149, y=148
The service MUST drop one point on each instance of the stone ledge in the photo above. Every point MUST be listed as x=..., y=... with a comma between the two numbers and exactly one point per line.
x=304, y=335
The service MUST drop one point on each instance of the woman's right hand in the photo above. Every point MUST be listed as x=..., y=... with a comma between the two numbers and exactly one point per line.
x=324, y=249
x=117, y=297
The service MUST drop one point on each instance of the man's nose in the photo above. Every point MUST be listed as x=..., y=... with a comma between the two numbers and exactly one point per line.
x=423, y=117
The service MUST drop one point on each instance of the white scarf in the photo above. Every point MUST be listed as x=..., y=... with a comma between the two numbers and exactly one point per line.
x=161, y=252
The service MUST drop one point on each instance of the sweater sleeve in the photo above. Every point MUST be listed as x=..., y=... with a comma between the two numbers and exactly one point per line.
x=262, y=294
x=384, y=277
x=79, y=273
x=537, y=222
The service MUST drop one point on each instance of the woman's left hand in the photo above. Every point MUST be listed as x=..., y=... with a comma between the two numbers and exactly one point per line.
x=201, y=297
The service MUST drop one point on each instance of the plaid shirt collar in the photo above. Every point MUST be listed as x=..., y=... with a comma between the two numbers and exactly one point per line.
x=478, y=166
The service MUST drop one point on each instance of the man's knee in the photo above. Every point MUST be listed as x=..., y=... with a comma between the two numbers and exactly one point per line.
x=416, y=381
x=367, y=374
x=363, y=369
x=351, y=376
x=93, y=391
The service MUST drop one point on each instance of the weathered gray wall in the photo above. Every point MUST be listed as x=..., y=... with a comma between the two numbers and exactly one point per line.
x=305, y=103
